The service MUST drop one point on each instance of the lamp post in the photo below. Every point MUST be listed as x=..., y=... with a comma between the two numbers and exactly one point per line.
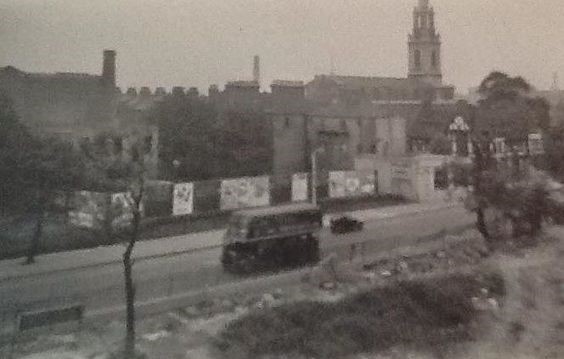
x=314, y=174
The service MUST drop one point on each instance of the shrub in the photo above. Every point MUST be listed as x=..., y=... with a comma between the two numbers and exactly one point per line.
x=405, y=312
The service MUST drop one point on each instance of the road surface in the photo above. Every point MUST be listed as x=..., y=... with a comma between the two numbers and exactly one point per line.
x=101, y=287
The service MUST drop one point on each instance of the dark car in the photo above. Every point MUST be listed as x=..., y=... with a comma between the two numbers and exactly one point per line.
x=346, y=224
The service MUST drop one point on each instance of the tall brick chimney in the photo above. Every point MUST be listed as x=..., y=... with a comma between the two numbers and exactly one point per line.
x=109, y=68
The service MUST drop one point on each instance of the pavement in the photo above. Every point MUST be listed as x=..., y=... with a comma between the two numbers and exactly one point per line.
x=64, y=261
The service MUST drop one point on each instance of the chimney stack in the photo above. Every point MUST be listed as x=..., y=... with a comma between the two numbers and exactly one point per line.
x=109, y=68
x=256, y=69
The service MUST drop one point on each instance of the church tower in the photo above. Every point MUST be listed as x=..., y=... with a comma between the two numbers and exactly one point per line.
x=424, y=46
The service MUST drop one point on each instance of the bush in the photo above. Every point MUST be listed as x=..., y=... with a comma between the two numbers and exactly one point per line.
x=413, y=312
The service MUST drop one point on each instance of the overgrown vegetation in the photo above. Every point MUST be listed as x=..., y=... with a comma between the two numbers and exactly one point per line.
x=198, y=141
x=419, y=313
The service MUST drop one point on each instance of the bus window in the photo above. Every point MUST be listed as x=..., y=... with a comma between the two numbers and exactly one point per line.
x=237, y=226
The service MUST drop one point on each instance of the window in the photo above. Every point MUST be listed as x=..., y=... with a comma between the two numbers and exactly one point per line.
x=417, y=58
x=434, y=61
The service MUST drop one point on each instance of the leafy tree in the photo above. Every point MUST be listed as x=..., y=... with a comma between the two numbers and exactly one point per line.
x=245, y=144
x=517, y=195
x=188, y=137
x=14, y=139
x=199, y=142
x=507, y=108
x=440, y=145
x=33, y=171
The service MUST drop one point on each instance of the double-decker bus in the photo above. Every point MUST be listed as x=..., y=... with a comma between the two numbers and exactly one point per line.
x=272, y=237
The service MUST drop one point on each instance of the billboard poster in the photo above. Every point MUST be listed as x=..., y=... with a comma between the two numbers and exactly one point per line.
x=299, y=187
x=337, y=184
x=351, y=184
x=88, y=209
x=183, y=199
x=367, y=183
x=535, y=144
x=245, y=192
x=121, y=209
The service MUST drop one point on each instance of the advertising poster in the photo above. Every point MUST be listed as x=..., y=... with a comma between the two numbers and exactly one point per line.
x=337, y=184
x=351, y=184
x=245, y=192
x=88, y=209
x=367, y=183
x=183, y=199
x=299, y=187
x=536, y=146
x=121, y=209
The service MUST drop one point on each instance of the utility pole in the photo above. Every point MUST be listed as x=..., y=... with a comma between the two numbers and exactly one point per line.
x=314, y=174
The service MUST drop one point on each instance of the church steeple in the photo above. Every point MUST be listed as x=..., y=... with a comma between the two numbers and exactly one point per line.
x=424, y=44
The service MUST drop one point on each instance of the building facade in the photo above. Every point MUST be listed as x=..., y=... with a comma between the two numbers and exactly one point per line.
x=84, y=109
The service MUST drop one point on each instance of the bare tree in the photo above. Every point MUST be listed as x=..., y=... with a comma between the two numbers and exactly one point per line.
x=124, y=223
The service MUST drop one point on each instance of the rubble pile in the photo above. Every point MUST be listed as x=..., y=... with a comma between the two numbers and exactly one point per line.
x=470, y=249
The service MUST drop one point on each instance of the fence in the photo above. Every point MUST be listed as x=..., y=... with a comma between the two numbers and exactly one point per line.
x=203, y=198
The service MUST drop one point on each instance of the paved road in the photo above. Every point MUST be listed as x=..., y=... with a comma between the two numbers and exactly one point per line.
x=101, y=287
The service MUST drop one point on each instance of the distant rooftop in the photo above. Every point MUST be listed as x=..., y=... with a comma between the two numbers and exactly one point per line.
x=366, y=81
x=50, y=75
x=287, y=83
x=242, y=83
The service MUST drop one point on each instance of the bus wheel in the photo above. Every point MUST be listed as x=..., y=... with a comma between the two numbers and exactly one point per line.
x=245, y=265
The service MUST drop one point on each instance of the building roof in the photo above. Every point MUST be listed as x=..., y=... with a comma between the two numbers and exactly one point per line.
x=242, y=83
x=287, y=83
x=355, y=82
x=285, y=208
x=69, y=76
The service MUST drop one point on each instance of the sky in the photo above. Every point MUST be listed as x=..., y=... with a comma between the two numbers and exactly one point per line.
x=201, y=42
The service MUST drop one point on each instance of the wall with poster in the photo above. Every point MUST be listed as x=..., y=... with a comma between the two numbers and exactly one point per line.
x=245, y=192
x=157, y=198
x=344, y=184
x=300, y=187
x=183, y=199
x=88, y=209
x=121, y=209
x=402, y=179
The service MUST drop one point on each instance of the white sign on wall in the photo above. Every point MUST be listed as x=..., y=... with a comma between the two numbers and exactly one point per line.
x=245, y=192
x=351, y=183
x=183, y=199
x=299, y=187
x=535, y=144
x=337, y=184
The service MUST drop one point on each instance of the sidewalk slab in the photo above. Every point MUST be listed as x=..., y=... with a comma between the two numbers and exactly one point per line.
x=84, y=258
